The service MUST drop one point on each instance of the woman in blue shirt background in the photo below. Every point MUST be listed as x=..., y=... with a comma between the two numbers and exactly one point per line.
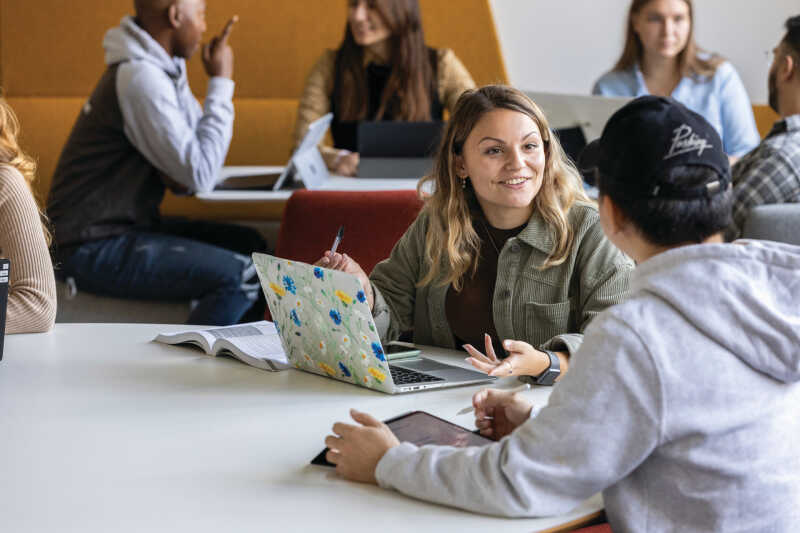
x=661, y=58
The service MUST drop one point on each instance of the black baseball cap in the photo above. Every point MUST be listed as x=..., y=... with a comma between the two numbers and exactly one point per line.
x=644, y=140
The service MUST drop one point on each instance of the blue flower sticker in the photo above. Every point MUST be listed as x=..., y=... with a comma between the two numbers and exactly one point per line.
x=344, y=369
x=335, y=316
x=288, y=284
x=319, y=273
x=295, y=319
x=378, y=351
x=361, y=296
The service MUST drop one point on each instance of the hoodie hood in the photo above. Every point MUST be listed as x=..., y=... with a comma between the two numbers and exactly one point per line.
x=129, y=42
x=744, y=296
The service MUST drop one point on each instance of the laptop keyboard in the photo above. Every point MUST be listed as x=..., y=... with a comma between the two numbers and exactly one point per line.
x=404, y=376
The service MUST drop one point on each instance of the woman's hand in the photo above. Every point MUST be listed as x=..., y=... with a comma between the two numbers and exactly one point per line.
x=498, y=412
x=357, y=449
x=343, y=262
x=523, y=359
x=345, y=164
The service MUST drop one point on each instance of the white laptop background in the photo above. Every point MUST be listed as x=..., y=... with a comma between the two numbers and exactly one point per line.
x=306, y=164
x=589, y=112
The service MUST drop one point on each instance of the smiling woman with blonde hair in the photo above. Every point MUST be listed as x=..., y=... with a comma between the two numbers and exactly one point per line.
x=24, y=236
x=507, y=251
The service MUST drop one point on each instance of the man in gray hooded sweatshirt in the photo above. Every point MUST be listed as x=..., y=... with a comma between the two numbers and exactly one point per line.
x=142, y=130
x=681, y=405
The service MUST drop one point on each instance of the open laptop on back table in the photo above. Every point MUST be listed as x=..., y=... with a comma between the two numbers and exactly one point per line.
x=326, y=328
x=306, y=168
x=394, y=149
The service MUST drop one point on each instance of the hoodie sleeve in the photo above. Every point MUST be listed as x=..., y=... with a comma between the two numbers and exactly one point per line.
x=603, y=420
x=159, y=125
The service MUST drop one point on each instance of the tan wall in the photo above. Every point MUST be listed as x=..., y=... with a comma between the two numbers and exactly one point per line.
x=51, y=57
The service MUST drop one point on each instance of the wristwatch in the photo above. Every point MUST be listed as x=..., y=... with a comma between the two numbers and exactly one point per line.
x=548, y=377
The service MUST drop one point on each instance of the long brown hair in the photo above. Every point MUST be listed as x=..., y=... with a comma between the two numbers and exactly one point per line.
x=689, y=63
x=411, y=78
x=12, y=155
x=451, y=245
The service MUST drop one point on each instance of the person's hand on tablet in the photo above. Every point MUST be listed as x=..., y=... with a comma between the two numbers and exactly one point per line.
x=357, y=449
x=499, y=412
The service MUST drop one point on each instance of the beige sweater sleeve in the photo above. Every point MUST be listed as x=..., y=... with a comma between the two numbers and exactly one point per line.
x=32, y=289
x=454, y=78
x=315, y=101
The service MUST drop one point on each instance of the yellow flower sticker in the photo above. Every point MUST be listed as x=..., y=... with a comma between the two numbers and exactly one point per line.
x=377, y=374
x=327, y=368
x=280, y=291
x=343, y=296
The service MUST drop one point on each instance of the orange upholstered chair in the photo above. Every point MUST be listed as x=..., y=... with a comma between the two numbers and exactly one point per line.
x=373, y=221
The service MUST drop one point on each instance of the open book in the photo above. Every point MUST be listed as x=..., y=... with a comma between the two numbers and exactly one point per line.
x=256, y=343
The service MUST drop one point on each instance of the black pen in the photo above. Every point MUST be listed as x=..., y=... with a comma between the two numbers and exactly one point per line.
x=337, y=240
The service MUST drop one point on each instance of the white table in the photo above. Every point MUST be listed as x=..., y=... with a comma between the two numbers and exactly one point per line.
x=335, y=183
x=103, y=430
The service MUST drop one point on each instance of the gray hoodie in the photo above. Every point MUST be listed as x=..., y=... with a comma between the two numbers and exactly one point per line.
x=163, y=120
x=681, y=406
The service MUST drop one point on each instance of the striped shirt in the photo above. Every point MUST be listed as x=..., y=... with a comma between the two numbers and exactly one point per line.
x=770, y=174
x=32, y=288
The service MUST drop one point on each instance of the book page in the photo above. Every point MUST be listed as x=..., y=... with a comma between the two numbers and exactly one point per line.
x=194, y=337
x=256, y=340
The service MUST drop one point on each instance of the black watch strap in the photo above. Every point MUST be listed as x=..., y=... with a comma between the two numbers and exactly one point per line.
x=549, y=376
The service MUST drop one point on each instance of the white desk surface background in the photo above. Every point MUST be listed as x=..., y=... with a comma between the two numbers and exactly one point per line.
x=103, y=430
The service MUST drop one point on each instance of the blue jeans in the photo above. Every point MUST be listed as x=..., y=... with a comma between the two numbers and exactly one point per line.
x=206, y=263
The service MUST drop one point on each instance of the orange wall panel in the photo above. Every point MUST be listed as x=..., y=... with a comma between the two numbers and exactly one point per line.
x=55, y=49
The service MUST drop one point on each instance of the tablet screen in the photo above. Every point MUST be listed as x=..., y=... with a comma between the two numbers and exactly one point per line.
x=421, y=428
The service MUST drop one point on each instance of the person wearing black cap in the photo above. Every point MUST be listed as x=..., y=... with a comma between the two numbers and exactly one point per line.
x=681, y=404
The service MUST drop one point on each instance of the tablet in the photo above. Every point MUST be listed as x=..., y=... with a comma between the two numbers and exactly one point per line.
x=421, y=428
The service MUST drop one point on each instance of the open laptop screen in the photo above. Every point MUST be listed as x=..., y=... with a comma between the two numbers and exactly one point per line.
x=398, y=139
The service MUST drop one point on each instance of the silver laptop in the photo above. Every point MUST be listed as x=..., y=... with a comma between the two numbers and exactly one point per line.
x=326, y=328
x=588, y=112
x=306, y=167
